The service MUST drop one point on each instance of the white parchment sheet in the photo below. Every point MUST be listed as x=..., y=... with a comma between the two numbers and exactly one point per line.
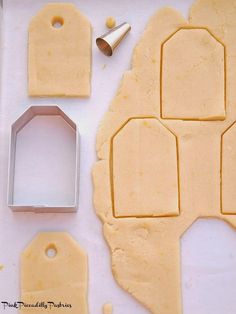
x=209, y=247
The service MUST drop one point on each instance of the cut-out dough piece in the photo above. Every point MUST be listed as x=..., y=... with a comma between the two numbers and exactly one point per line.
x=59, y=277
x=144, y=168
x=228, y=171
x=59, y=55
x=107, y=308
x=193, y=76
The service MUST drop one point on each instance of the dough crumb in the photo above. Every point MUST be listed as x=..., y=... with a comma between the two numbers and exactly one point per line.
x=1, y=267
x=107, y=308
x=110, y=22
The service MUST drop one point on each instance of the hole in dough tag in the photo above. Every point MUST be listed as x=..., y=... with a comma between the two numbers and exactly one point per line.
x=59, y=52
x=54, y=283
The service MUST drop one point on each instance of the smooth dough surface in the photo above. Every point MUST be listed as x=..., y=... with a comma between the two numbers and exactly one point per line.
x=193, y=76
x=59, y=52
x=60, y=278
x=148, y=186
x=110, y=22
x=146, y=251
x=107, y=308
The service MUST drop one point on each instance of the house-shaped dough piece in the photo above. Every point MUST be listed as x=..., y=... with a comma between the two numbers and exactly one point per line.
x=193, y=76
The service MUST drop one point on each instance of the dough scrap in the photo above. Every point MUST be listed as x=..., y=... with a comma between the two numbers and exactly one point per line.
x=146, y=251
x=107, y=308
x=60, y=278
x=110, y=22
x=59, y=52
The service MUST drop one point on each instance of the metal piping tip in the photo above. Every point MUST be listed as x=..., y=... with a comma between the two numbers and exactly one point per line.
x=108, y=42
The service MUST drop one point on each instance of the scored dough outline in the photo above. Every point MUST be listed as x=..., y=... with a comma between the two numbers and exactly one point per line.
x=111, y=170
x=161, y=72
x=221, y=169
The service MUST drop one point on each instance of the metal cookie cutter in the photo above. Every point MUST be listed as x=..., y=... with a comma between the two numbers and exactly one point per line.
x=44, y=161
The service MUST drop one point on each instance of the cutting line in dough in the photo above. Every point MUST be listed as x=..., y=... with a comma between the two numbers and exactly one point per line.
x=212, y=118
x=227, y=173
x=115, y=215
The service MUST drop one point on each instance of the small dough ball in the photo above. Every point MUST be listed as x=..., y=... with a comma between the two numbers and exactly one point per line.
x=107, y=308
x=110, y=22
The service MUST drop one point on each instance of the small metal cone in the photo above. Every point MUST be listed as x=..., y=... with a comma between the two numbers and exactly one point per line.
x=115, y=36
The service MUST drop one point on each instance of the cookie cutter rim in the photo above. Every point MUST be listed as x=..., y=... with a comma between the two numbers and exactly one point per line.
x=16, y=126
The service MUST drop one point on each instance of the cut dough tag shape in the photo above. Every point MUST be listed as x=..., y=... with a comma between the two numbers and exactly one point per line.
x=54, y=274
x=149, y=186
x=59, y=52
x=193, y=76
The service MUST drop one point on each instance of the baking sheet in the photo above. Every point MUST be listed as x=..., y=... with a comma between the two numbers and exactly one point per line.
x=208, y=249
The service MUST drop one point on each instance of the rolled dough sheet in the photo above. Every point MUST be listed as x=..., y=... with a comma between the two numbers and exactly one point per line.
x=146, y=250
x=60, y=278
x=59, y=53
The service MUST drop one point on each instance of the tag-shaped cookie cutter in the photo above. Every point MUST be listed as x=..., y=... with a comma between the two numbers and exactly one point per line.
x=18, y=125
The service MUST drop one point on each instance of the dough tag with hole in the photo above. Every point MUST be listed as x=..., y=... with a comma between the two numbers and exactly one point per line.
x=59, y=52
x=54, y=275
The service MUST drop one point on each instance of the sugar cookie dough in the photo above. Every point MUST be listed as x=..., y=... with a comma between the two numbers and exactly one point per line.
x=59, y=52
x=54, y=268
x=149, y=186
x=107, y=308
x=193, y=76
x=110, y=22
x=146, y=251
